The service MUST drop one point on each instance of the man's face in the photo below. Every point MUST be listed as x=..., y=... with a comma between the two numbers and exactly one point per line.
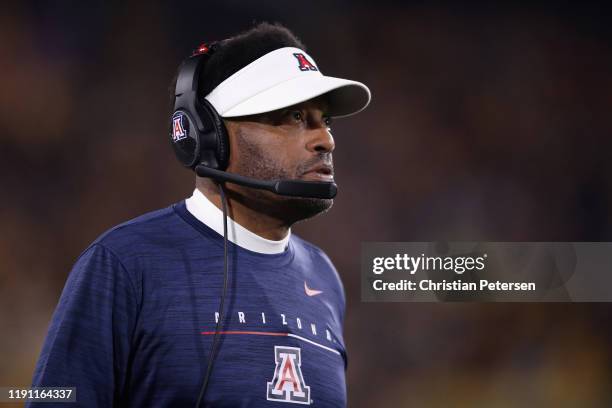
x=290, y=143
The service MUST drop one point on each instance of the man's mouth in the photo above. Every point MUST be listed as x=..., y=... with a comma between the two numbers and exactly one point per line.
x=321, y=172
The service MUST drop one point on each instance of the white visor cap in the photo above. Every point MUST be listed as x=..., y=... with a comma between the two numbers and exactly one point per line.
x=282, y=78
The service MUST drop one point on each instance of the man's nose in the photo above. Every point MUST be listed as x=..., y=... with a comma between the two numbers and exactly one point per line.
x=320, y=140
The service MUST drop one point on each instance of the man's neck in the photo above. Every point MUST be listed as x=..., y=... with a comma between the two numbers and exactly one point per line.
x=261, y=224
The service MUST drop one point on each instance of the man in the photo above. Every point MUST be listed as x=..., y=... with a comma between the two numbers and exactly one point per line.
x=140, y=312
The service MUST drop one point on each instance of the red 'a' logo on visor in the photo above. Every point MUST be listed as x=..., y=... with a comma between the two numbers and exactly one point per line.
x=305, y=65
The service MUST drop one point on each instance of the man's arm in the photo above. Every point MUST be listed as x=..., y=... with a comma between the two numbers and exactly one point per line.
x=89, y=339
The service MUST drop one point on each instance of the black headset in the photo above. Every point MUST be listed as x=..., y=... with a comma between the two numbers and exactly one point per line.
x=197, y=132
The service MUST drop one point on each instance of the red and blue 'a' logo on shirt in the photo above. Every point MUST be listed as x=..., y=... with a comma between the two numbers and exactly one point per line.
x=304, y=64
x=288, y=382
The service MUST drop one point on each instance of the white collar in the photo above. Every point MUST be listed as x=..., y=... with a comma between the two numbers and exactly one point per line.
x=208, y=213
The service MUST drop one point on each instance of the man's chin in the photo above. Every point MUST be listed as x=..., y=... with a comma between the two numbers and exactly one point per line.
x=288, y=209
x=300, y=208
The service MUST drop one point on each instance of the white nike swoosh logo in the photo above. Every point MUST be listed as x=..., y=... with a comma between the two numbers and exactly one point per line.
x=311, y=292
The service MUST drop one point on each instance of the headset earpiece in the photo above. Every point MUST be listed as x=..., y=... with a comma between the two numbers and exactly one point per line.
x=214, y=149
x=184, y=139
x=197, y=132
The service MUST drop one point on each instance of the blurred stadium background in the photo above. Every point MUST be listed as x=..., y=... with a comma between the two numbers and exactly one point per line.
x=488, y=122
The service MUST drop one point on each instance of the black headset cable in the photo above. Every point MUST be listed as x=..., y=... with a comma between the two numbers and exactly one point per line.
x=215, y=342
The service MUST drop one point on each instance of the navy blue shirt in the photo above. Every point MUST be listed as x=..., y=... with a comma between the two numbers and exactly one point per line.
x=135, y=320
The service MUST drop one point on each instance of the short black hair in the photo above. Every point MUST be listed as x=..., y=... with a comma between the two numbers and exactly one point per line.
x=234, y=53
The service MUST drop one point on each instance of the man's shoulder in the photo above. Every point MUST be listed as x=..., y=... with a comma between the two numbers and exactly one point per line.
x=307, y=249
x=306, y=245
x=145, y=232
x=314, y=258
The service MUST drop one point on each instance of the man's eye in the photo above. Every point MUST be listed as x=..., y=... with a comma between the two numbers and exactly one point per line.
x=297, y=116
x=328, y=121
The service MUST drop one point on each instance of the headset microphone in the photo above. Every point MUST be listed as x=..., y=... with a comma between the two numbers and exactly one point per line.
x=294, y=188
